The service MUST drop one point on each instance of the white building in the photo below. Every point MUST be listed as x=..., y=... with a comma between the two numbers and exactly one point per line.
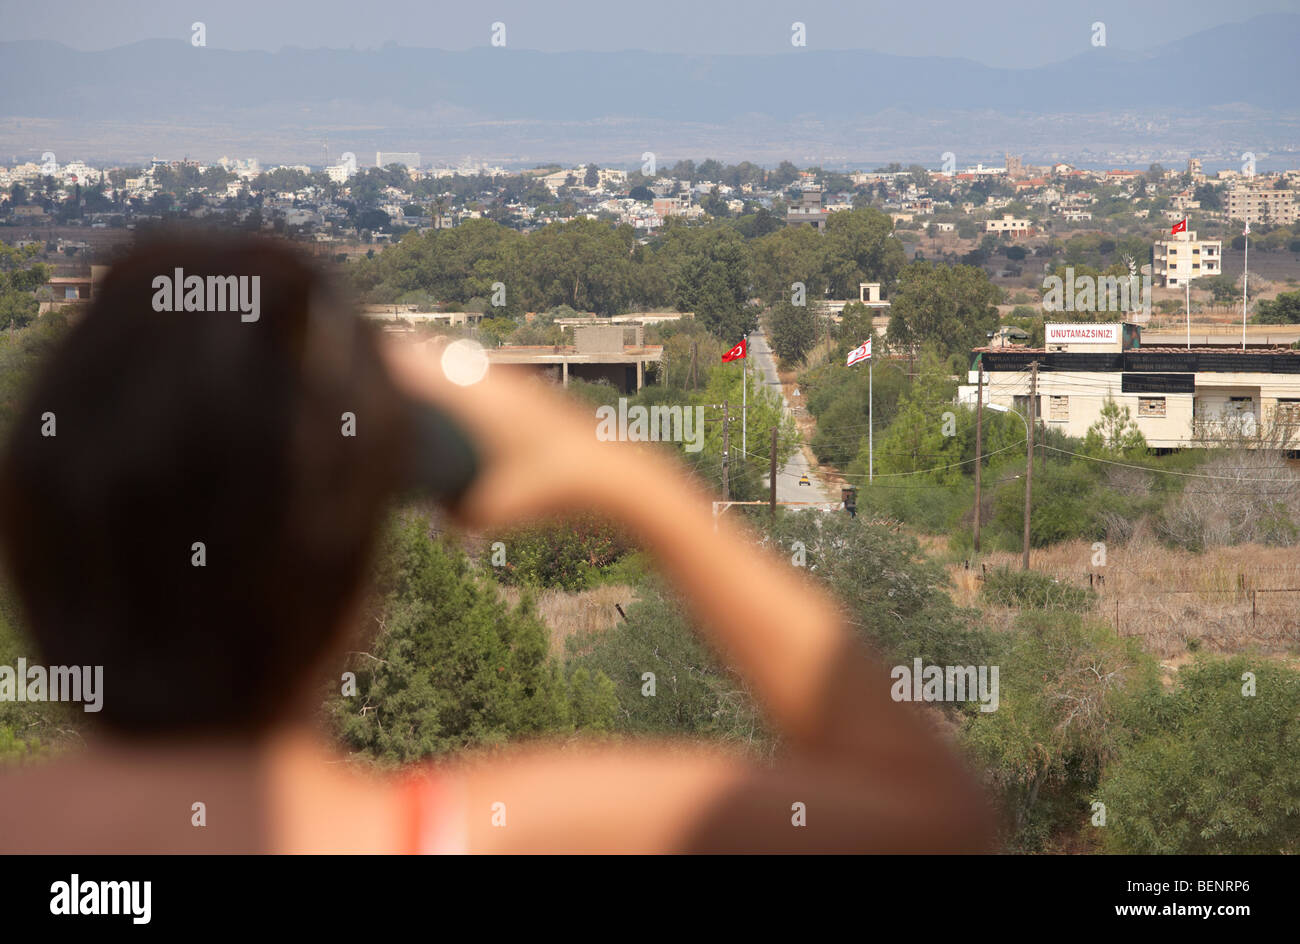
x=1178, y=397
x=1182, y=257
x=1008, y=225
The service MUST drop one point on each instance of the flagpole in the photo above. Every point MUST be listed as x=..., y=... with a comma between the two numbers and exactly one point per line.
x=744, y=404
x=871, y=419
x=1188, y=283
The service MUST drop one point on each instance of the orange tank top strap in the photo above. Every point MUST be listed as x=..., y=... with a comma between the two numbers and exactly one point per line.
x=431, y=817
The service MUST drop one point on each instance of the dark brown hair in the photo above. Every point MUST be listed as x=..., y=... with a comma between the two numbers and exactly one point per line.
x=173, y=428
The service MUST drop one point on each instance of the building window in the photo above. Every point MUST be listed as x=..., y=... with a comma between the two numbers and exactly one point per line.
x=1020, y=403
x=1288, y=412
x=1151, y=406
x=1059, y=409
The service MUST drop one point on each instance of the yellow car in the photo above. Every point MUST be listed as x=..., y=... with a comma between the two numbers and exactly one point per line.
x=803, y=480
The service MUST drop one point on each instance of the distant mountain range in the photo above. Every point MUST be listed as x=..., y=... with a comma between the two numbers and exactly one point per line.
x=399, y=96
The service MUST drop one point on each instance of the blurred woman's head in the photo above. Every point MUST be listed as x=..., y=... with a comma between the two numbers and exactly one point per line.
x=189, y=496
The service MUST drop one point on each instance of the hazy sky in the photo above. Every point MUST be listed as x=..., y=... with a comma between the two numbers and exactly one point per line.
x=1005, y=33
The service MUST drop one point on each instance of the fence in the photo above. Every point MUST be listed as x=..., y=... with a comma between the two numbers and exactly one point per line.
x=1224, y=614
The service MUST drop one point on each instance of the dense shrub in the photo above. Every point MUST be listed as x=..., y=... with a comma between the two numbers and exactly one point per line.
x=693, y=692
x=1069, y=695
x=570, y=553
x=452, y=666
x=1218, y=771
x=1027, y=588
x=892, y=594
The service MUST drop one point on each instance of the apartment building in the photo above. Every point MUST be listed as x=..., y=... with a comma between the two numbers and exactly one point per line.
x=1182, y=257
x=1179, y=397
x=610, y=177
x=808, y=211
x=1262, y=205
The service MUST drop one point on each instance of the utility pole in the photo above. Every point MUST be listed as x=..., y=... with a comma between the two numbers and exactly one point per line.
x=726, y=446
x=772, y=481
x=1029, y=453
x=979, y=443
x=695, y=351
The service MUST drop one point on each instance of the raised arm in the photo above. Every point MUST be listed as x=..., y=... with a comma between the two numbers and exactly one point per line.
x=870, y=773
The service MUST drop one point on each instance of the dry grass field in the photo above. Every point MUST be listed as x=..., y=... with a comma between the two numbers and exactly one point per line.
x=566, y=613
x=1226, y=599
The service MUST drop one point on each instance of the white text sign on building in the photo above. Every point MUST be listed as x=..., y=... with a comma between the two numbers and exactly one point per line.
x=1083, y=334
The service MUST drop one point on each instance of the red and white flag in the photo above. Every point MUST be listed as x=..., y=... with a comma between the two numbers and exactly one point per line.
x=1246, y=231
x=1179, y=227
x=736, y=353
x=859, y=353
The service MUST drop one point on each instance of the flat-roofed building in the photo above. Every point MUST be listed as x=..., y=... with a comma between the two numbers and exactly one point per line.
x=1009, y=225
x=1262, y=205
x=1179, y=397
x=808, y=209
x=1182, y=258
x=599, y=352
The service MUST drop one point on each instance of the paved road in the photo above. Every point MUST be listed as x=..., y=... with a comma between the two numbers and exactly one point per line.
x=787, y=476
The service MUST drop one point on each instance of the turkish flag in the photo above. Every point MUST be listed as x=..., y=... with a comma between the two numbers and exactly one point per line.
x=736, y=353
x=1179, y=227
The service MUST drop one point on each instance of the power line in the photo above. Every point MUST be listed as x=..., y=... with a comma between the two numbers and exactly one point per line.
x=1129, y=465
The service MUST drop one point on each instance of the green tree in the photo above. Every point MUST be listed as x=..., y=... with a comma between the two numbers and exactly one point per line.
x=892, y=594
x=794, y=331
x=765, y=411
x=1285, y=309
x=19, y=279
x=1217, y=770
x=859, y=249
x=709, y=271
x=921, y=436
x=1115, y=434
x=789, y=255
x=1222, y=287
x=452, y=665
x=694, y=694
x=1068, y=695
x=952, y=307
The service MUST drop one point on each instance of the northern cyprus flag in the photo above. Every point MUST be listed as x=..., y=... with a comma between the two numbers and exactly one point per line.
x=860, y=353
